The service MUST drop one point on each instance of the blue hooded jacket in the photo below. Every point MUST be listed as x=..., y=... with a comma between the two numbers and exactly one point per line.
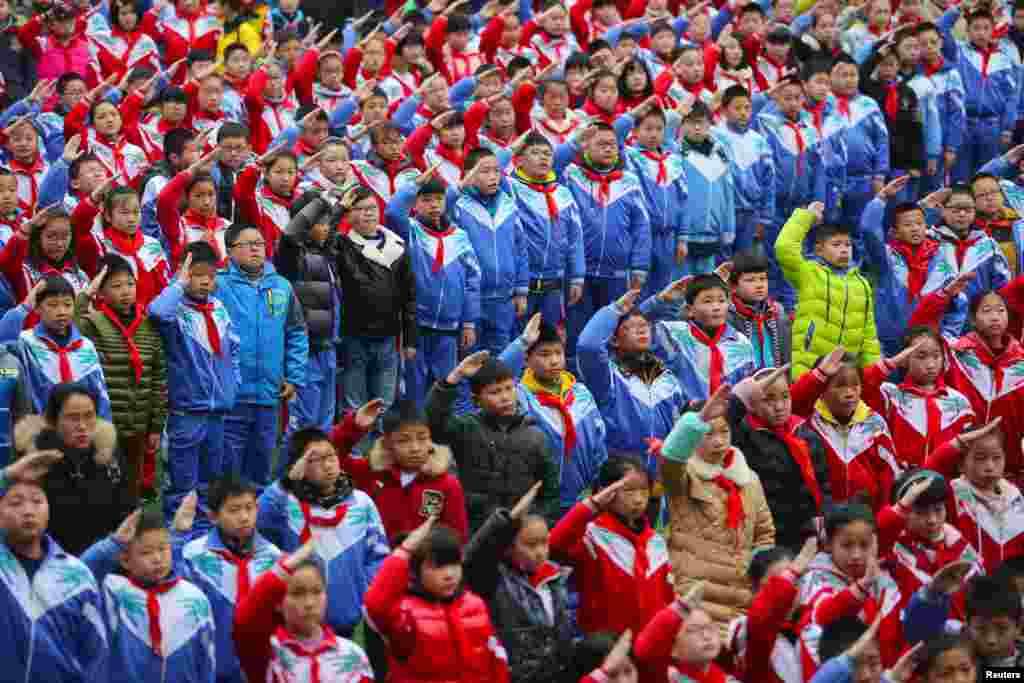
x=554, y=244
x=495, y=229
x=267, y=317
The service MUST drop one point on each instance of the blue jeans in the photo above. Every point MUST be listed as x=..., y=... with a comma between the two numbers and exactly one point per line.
x=746, y=230
x=497, y=325
x=195, y=457
x=437, y=353
x=250, y=436
x=369, y=370
x=663, y=262
x=314, y=403
x=598, y=292
x=981, y=145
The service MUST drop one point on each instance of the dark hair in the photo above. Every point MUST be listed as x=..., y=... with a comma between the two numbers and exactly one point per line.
x=596, y=46
x=838, y=636
x=905, y=207
x=975, y=303
x=232, y=129
x=403, y=413
x=226, y=487
x=306, y=109
x=434, y=186
x=635, y=64
x=839, y=516
x=115, y=265
x=361, y=193
x=746, y=262
x=589, y=653
x=698, y=111
x=843, y=58
x=232, y=48
x=703, y=283
x=60, y=394
x=922, y=331
x=960, y=188
x=234, y=230
x=660, y=26
x=441, y=548
x=734, y=92
x=548, y=334
x=577, y=60
x=830, y=230
x=474, y=156
x=977, y=15
x=55, y=285
x=151, y=519
x=940, y=645
x=411, y=39
x=616, y=467
x=301, y=439
x=600, y=76
x=989, y=597
x=1010, y=569
x=936, y=492
x=492, y=372
x=201, y=252
x=517, y=64
x=458, y=23
x=377, y=134
x=100, y=101
x=194, y=56
x=198, y=178
x=486, y=70
x=764, y=559
x=849, y=360
x=925, y=27
x=117, y=193
x=752, y=8
x=533, y=139
x=76, y=166
x=65, y=78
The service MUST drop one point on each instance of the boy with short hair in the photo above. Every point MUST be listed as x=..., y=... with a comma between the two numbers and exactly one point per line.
x=203, y=374
x=54, y=351
x=832, y=276
x=179, y=152
x=132, y=355
x=161, y=625
x=447, y=275
x=226, y=562
x=405, y=472
x=754, y=314
x=500, y=452
x=234, y=153
x=68, y=640
x=316, y=499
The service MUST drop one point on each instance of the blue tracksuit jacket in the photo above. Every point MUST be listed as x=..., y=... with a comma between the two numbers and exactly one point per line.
x=891, y=293
x=981, y=254
x=351, y=552
x=554, y=243
x=616, y=227
x=578, y=474
x=185, y=653
x=634, y=408
x=446, y=267
x=990, y=83
x=267, y=317
x=199, y=380
x=203, y=562
x=495, y=229
x=867, y=136
x=947, y=87
x=711, y=199
x=53, y=621
x=752, y=169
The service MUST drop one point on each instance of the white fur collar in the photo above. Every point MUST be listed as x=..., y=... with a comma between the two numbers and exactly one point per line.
x=737, y=471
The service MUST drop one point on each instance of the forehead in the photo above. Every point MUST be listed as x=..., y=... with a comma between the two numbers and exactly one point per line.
x=248, y=234
x=411, y=429
x=150, y=538
x=714, y=294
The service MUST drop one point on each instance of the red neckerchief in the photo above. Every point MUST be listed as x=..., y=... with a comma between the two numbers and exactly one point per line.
x=818, y=114
x=660, y=157
x=917, y=259
x=932, y=69
x=548, y=190
x=717, y=365
x=932, y=410
x=452, y=156
x=239, y=84
x=29, y=171
x=990, y=225
x=1001, y=31
x=800, y=144
x=892, y=99
x=1011, y=354
x=797, y=447
x=604, y=181
x=156, y=637
x=128, y=333
x=212, y=333
x=545, y=572
x=127, y=244
x=425, y=111
x=591, y=109
x=62, y=354
x=694, y=89
x=303, y=149
x=962, y=245
x=986, y=55
x=116, y=148
x=312, y=520
x=209, y=224
x=942, y=553
x=876, y=32
x=327, y=643
x=242, y=580
x=562, y=404
x=438, y=235
x=843, y=105
x=759, y=319
x=560, y=134
x=734, y=499
x=407, y=89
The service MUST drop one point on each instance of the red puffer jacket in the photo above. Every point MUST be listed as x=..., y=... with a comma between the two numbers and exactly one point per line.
x=430, y=640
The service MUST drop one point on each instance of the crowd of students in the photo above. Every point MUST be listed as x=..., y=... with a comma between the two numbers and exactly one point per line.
x=523, y=341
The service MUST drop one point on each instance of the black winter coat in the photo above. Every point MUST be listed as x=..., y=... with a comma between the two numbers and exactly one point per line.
x=792, y=504
x=539, y=647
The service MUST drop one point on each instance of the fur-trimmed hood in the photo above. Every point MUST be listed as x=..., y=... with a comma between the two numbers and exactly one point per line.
x=28, y=428
x=438, y=463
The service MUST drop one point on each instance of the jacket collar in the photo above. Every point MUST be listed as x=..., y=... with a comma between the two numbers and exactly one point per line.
x=734, y=469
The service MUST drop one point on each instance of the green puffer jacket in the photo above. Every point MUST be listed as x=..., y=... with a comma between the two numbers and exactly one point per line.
x=838, y=302
x=137, y=407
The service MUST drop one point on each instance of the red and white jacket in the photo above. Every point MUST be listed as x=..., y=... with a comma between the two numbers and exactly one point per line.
x=653, y=652
x=384, y=181
x=454, y=65
x=181, y=33
x=992, y=523
x=267, y=118
x=452, y=641
x=860, y=454
x=182, y=229
x=914, y=561
x=548, y=48
x=261, y=206
x=29, y=177
x=119, y=156
x=920, y=420
x=114, y=52
x=756, y=639
x=609, y=558
x=827, y=594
